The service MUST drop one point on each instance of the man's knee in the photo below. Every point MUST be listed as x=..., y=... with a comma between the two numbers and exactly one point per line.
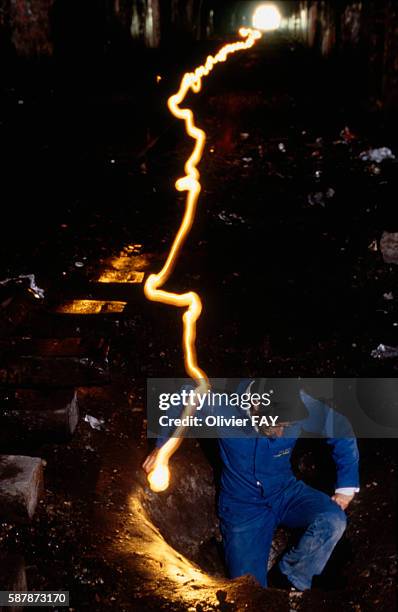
x=333, y=522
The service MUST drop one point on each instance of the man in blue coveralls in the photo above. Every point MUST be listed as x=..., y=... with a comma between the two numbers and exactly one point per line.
x=259, y=491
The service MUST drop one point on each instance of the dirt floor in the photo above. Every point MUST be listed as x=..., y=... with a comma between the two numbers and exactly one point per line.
x=286, y=255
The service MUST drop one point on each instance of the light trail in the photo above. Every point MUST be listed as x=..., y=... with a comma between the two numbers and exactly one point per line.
x=159, y=477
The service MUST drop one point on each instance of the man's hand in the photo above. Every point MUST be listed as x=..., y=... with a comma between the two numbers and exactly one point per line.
x=150, y=461
x=342, y=500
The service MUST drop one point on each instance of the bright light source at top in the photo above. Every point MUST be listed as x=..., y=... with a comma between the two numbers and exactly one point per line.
x=267, y=18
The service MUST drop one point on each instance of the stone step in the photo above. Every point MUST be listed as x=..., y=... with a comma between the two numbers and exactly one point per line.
x=27, y=414
x=21, y=486
x=87, y=307
x=68, y=319
x=47, y=325
x=53, y=372
x=119, y=277
x=106, y=291
x=13, y=347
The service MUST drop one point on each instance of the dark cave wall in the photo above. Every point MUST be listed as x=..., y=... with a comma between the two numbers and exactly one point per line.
x=25, y=27
x=363, y=34
x=35, y=28
x=390, y=75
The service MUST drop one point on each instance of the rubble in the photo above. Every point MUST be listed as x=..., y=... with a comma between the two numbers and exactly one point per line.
x=347, y=135
x=384, y=351
x=377, y=155
x=94, y=422
x=230, y=218
x=320, y=198
x=35, y=290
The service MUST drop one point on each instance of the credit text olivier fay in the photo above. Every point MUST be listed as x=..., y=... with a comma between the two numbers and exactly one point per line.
x=192, y=398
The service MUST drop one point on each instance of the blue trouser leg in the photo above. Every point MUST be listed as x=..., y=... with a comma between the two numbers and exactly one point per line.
x=324, y=523
x=247, y=539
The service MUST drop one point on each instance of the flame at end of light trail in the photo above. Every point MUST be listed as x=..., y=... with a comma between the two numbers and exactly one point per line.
x=159, y=476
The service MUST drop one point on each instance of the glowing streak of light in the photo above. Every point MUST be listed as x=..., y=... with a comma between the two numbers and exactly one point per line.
x=159, y=479
x=159, y=476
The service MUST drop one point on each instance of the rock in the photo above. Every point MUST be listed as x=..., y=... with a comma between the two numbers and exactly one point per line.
x=21, y=485
x=190, y=504
x=389, y=247
x=28, y=413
